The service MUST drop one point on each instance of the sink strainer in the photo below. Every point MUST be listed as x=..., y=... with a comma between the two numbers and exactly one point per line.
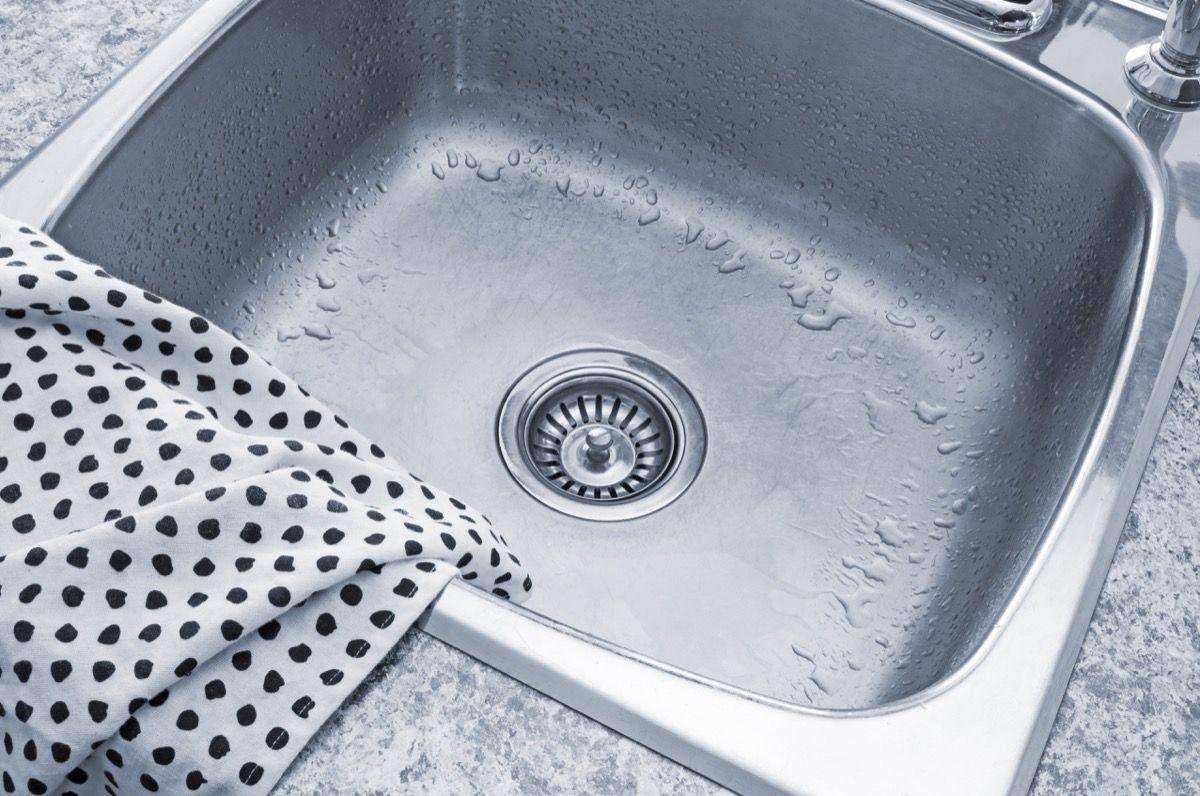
x=601, y=434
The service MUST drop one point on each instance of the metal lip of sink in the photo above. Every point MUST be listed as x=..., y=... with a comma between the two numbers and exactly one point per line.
x=984, y=722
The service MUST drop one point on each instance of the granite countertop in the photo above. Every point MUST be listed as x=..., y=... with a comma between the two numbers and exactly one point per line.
x=432, y=720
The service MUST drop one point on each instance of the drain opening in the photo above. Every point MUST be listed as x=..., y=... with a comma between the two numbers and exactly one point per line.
x=601, y=434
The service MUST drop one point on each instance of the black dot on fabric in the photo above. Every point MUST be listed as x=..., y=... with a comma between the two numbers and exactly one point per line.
x=97, y=710
x=218, y=747
x=272, y=682
x=250, y=773
x=246, y=715
x=351, y=594
x=303, y=706
x=102, y=670
x=72, y=596
x=326, y=624
x=60, y=670
x=189, y=720
x=277, y=738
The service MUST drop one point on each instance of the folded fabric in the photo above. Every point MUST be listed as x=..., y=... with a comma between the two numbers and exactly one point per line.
x=198, y=560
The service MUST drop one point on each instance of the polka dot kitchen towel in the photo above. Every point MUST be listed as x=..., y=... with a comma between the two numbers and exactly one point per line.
x=199, y=560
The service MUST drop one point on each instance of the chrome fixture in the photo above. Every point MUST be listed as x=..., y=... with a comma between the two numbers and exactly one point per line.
x=601, y=435
x=1002, y=17
x=1166, y=69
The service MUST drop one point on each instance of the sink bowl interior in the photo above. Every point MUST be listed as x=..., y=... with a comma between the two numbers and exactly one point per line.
x=896, y=292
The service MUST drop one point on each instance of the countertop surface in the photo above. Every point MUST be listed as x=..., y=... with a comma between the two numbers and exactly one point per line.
x=432, y=720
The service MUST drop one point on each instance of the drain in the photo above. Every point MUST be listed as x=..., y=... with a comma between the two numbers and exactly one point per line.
x=601, y=434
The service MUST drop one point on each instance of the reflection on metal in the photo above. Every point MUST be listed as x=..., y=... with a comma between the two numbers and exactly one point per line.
x=1166, y=69
x=1002, y=17
x=936, y=124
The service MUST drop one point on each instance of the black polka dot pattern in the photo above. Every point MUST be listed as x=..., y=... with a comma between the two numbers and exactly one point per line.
x=198, y=560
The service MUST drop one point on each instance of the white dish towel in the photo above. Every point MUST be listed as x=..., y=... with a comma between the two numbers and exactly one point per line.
x=199, y=560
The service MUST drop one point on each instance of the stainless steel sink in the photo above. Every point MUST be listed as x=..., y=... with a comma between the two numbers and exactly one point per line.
x=899, y=306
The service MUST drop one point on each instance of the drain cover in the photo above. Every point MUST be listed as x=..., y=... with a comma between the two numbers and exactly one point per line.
x=601, y=434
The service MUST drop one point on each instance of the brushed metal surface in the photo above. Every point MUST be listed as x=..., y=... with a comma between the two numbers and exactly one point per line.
x=910, y=300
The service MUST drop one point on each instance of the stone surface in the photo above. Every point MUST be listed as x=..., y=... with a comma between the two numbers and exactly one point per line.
x=432, y=720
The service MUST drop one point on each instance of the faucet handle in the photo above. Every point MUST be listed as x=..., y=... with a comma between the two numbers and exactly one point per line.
x=1166, y=69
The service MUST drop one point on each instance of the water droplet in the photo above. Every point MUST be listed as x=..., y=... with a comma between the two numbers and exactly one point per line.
x=716, y=241
x=951, y=446
x=800, y=295
x=318, y=330
x=326, y=282
x=489, y=171
x=514, y=156
x=905, y=321
x=438, y=171
x=736, y=262
x=929, y=413
x=823, y=321
x=649, y=217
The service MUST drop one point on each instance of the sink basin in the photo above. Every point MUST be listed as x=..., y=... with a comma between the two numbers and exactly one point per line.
x=887, y=317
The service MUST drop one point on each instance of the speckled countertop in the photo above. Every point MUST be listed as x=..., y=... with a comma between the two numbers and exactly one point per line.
x=432, y=720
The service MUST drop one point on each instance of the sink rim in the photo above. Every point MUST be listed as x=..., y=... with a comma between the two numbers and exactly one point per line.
x=45, y=183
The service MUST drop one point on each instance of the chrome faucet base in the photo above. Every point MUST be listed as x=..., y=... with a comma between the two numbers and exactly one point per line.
x=1158, y=82
x=1166, y=70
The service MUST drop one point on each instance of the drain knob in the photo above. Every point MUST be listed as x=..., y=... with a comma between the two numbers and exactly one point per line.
x=599, y=442
x=601, y=434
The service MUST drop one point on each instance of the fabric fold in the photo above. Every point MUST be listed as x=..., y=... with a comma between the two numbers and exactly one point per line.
x=200, y=560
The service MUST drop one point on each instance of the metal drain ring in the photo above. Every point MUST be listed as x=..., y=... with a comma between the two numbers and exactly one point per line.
x=601, y=434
